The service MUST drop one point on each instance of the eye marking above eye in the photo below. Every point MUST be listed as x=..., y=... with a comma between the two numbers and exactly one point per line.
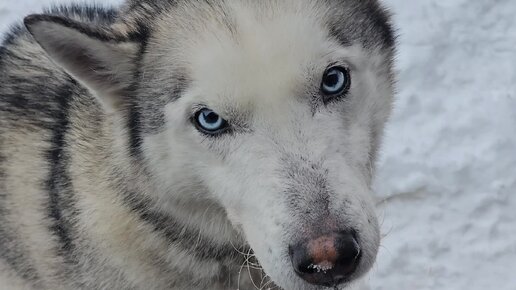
x=209, y=122
x=336, y=81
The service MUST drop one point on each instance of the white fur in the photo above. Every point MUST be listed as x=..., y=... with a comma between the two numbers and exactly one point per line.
x=264, y=72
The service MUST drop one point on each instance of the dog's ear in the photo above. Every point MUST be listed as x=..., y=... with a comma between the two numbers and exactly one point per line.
x=99, y=59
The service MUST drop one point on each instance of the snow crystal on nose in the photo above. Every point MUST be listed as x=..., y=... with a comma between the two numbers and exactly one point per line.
x=322, y=267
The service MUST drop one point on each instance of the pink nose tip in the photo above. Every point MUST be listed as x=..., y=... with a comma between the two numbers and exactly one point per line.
x=328, y=260
x=323, y=252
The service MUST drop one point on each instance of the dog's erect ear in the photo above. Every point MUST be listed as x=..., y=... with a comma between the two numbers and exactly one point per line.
x=100, y=60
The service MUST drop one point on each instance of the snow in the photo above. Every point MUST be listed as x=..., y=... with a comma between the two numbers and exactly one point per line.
x=450, y=149
x=448, y=166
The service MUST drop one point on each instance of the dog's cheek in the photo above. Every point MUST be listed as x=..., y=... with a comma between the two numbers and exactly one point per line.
x=265, y=226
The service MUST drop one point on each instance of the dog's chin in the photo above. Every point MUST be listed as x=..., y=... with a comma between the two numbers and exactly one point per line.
x=288, y=281
x=296, y=283
x=302, y=285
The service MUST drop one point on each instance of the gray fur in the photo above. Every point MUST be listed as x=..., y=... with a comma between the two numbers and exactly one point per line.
x=82, y=202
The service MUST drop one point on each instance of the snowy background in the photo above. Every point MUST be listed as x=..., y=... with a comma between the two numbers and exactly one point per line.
x=448, y=169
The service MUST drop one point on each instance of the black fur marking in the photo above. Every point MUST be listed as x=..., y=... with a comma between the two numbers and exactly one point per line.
x=94, y=14
x=365, y=22
x=12, y=35
x=9, y=39
x=140, y=35
x=380, y=20
x=189, y=240
x=134, y=118
x=58, y=181
x=201, y=247
x=135, y=132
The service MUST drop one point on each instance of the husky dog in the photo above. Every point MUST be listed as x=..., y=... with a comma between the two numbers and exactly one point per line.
x=193, y=144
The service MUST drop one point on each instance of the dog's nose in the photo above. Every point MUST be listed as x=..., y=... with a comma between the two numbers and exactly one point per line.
x=328, y=260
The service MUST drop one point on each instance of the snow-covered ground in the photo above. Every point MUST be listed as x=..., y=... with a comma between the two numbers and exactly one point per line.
x=448, y=170
x=451, y=149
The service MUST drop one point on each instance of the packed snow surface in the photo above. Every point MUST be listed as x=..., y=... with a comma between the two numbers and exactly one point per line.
x=447, y=175
x=450, y=151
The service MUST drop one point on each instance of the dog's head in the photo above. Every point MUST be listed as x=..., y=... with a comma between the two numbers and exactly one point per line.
x=273, y=109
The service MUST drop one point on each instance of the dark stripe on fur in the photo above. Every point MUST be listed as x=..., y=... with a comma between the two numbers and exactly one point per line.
x=369, y=24
x=140, y=35
x=9, y=38
x=188, y=239
x=91, y=13
x=135, y=134
x=134, y=120
x=58, y=181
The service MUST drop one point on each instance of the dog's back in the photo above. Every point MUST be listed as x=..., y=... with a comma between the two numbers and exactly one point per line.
x=37, y=100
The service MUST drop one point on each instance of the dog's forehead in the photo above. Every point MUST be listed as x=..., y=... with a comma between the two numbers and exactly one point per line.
x=265, y=50
x=261, y=55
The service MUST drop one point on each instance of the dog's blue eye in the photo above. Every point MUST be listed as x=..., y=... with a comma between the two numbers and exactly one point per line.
x=336, y=80
x=209, y=122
